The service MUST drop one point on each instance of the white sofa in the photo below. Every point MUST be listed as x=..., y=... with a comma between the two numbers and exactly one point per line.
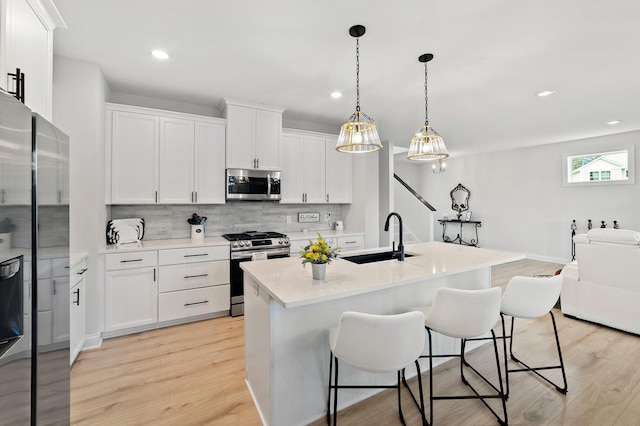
x=603, y=284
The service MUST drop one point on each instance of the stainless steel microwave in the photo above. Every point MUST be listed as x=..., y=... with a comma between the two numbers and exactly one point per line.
x=253, y=185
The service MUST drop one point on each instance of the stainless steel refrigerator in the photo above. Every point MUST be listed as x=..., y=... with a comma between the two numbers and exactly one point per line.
x=34, y=234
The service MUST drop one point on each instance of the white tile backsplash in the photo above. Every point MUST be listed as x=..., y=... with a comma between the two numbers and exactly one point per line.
x=170, y=221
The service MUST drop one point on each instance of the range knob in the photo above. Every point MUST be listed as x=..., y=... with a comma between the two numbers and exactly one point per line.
x=247, y=243
x=234, y=244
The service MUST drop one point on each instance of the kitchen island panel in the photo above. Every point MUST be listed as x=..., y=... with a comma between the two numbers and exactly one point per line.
x=287, y=349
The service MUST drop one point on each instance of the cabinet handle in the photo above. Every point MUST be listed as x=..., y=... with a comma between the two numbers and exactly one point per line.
x=154, y=275
x=3, y=196
x=82, y=271
x=59, y=196
x=196, y=193
x=54, y=287
x=196, y=303
x=130, y=260
x=196, y=276
x=327, y=198
x=192, y=196
x=77, y=301
x=156, y=196
x=350, y=242
x=196, y=255
x=258, y=162
x=18, y=77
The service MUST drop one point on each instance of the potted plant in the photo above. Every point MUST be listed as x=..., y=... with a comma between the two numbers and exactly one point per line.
x=318, y=253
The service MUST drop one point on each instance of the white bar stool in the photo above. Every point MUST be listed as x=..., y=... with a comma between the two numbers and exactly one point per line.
x=531, y=297
x=377, y=344
x=464, y=314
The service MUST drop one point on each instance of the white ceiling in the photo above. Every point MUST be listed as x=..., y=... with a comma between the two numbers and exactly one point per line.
x=491, y=58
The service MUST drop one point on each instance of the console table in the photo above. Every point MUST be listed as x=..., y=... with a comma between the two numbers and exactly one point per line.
x=459, y=238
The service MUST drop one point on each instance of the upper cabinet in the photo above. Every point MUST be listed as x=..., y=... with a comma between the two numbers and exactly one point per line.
x=26, y=43
x=338, y=172
x=312, y=170
x=163, y=157
x=253, y=135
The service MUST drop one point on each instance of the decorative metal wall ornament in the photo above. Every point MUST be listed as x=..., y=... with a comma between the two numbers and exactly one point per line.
x=358, y=134
x=460, y=199
x=427, y=144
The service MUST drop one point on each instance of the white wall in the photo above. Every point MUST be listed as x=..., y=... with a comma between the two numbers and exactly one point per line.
x=79, y=93
x=520, y=199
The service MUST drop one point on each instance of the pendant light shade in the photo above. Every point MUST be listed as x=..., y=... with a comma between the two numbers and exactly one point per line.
x=359, y=133
x=427, y=144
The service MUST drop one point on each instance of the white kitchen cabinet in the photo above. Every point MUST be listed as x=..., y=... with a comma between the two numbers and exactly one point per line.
x=134, y=147
x=209, y=180
x=338, y=173
x=60, y=325
x=345, y=242
x=77, y=310
x=312, y=170
x=131, y=290
x=193, y=282
x=26, y=42
x=183, y=157
x=303, y=168
x=53, y=301
x=53, y=171
x=352, y=242
x=176, y=169
x=253, y=135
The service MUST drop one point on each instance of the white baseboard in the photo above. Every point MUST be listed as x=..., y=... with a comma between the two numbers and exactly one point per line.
x=92, y=341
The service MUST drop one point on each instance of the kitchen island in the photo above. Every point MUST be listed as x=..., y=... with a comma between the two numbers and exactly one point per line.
x=288, y=315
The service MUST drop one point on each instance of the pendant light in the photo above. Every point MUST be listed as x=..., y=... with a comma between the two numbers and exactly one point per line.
x=358, y=134
x=427, y=144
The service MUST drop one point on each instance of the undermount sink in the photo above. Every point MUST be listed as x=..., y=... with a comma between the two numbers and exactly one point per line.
x=374, y=257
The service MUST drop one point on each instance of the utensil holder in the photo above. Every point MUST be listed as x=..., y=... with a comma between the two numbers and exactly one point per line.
x=197, y=232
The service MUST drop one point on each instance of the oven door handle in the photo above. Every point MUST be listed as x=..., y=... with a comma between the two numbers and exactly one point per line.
x=247, y=255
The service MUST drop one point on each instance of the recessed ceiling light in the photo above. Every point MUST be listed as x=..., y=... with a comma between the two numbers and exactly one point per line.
x=613, y=122
x=546, y=93
x=160, y=54
x=336, y=95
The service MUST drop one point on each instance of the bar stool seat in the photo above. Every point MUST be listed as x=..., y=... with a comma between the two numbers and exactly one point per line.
x=376, y=344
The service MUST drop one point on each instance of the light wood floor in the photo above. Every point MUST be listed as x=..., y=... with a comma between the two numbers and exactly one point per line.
x=194, y=375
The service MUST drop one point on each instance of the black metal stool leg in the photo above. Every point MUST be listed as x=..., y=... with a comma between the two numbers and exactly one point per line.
x=329, y=389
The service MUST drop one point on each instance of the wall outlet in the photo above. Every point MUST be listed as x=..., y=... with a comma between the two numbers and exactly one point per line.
x=327, y=216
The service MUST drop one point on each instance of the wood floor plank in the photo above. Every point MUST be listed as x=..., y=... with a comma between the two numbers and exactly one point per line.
x=193, y=374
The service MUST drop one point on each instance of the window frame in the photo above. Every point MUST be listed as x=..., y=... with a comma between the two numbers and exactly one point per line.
x=566, y=169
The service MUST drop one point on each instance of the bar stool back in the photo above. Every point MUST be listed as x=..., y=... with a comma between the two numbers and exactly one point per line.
x=377, y=344
x=531, y=297
x=464, y=314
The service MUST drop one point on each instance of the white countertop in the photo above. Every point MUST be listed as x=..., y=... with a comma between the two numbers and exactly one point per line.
x=291, y=284
x=164, y=244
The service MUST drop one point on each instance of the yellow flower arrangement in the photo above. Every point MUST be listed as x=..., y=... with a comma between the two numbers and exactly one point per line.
x=318, y=252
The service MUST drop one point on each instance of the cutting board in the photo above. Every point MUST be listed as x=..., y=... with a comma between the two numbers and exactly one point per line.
x=122, y=231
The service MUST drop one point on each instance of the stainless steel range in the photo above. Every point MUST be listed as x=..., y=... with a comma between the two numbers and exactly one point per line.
x=243, y=247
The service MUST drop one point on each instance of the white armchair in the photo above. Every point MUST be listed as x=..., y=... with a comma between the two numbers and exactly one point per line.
x=603, y=285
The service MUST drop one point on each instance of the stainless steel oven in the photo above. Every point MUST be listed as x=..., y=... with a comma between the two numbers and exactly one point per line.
x=253, y=185
x=243, y=246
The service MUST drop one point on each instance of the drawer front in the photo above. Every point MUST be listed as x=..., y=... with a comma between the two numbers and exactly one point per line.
x=78, y=271
x=188, y=303
x=193, y=275
x=351, y=243
x=137, y=259
x=60, y=267
x=193, y=254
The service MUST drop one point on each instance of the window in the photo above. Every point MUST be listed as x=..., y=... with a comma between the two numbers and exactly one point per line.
x=609, y=167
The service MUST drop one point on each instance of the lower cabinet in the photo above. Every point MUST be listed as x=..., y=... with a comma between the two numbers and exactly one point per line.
x=132, y=298
x=189, y=303
x=53, y=301
x=147, y=289
x=77, y=310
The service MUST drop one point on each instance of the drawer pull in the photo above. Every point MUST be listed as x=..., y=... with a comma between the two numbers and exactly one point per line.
x=196, y=276
x=131, y=260
x=77, y=301
x=351, y=242
x=82, y=271
x=196, y=303
x=196, y=255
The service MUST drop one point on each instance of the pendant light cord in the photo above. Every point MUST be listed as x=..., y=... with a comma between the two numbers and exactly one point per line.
x=357, y=74
x=426, y=98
